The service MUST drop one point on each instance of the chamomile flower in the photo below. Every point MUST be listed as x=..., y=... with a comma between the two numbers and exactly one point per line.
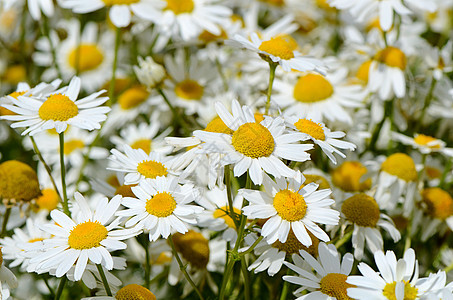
x=324, y=277
x=254, y=146
x=161, y=207
x=59, y=110
x=130, y=291
x=424, y=143
x=89, y=236
x=289, y=205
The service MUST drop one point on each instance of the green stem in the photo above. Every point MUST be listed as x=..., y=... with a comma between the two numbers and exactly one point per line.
x=245, y=274
x=147, y=264
x=232, y=214
x=5, y=220
x=449, y=268
x=250, y=249
x=272, y=67
x=176, y=116
x=104, y=280
x=344, y=239
x=407, y=242
x=60, y=287
x=445, y=172
x=182, y=267
x=63, y=176
x=114, y=66
x=426, y=103
x=46, y=282
x=285, y=289
x=222, y=75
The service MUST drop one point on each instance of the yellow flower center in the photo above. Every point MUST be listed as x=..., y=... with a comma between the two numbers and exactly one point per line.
x=31, y=241
x=73, y=145
x=290, y=205
x=208, y=37
x=194, y=247
x=362, y=210
x=221, y=213
x=86, y=57
x=161, y=205
x=1, y=256
x=335, y=285
x=275, y=2
x=258, y=117
x=424, y=140
x=134, y=292
x=144, y=144
x=324, y=5
x=87, y=235
x=125, y=190
x=15, y=74
x=363, y=71
x=48, y=200
x=347, y=177
x=58, y=107
x=292, y=244
x=392, y=57
x=217, y=125
x=133, y=97
x=279, y=47
x=311, y=128
x=433, y=172
x=400, y=221
x=410, y=292
x=189, y=89
x=119, y=2
x=253, y=140
x=180, y=6
x=312, y=88
x=163, y=258
x=374, y=24
x=151, y=169
x=5, y=111
x=18, y=181
x=318, y=179
x=439, y=203
x=400, y=165
x=113, y=181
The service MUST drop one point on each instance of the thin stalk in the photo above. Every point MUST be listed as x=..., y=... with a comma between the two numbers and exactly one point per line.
x=285, y=289
x=176, y=116
x=60, y=287
x=245, y=274
x=230, y=195
x=272, y=67
x=250, y=249
x=408, y=240
x=344, y=239
x=426, y=103
x=182, y=267
x=445, y=172
x=114, y=66
x=222, y=75
x=52, y=294
x=104, y=280
x=5, y=220
x=63, y=176
x=449, y=268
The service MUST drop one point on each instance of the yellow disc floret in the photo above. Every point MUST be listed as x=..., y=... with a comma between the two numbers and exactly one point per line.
x=72, y=145
x=119, y=2
x=290, y=205
x=318, y=179
x=152, y=169
x=125, y=190
x=439, y=203
x=58, y=107
x=87, y=235
x=194, y=247
x=217, y=125
x=18, y=181
x=134, y=292
x=312, y=88
x=347, y=177
x=5, y=111
x=363, y=71
x=335, y=285
x=279, y=46
x=253, y=140
x=15, y=74
x=292, y=244
x=48, y=200
x=410, y=292
x=400, y=165
x=424, y=140
x=180, y=6
x=144, y=144
x=221, y=213
x=313, y=129
x=133, y=97
x=392, y=57
x=161, y=205
x=86, y=57
x=189, y=89
x=362, y=210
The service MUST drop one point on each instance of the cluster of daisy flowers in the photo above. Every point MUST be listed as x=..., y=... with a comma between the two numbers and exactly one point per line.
x=213, y=149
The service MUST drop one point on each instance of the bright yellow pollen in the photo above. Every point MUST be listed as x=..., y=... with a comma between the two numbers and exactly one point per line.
x=258, y=117
x=152, y=169
x=439, y=203
x=315, y=130
x=87, y=235
x=292, y=244
x=217, y=125
x=125, y=190
x=133, y=97
x=318, y=179
x=72, y=145
x=392, y=57
x=312, y=88
x=194, y=247
x=58, y=107
x=180, y=6
x=424, y=140
x=16, y=95
x=163, y=258
x=208, y=37
x=48, y=200
x=347, y=177
x=221, y=213
x=18, y=181
x=290, y=205
x=31, y=241
x=144, y=144
x=335, y=285
x=189, y=89
x=433, y=172
x=400, y=165
x=279, y=46
x=363, y=71
x=5, y=111
x=161, y=205
x=253, y=140
x=410, y=292
x=119, y=2
x=15, y=74
x=89, y=57
x=362, y=210
x=134, y=292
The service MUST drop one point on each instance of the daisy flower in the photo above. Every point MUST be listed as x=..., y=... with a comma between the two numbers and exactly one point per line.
x=90, y=236
x=324, y=277
x=424, y=143
x=254, y=146
x=287, y=204
x=161, y=207
x=138, y=165
x=58, y=110
x=130, y=291
x=321, y=136
x=149, y=73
